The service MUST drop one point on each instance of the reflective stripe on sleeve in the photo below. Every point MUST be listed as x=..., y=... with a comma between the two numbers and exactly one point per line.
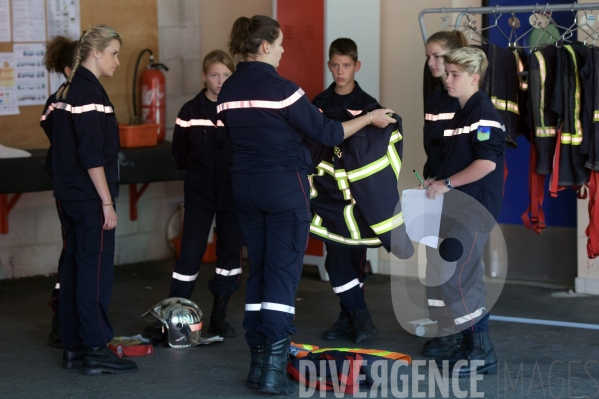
x=278, y=307
x=474, y=126
x=198, y=122
x=389, y=224
x=346, y=287
x=84, y=108
x=261, y=103
x=225, y=272
x=182, y=277
x=57, y=286
x=440, y=117
x=469, y=317
x=253, y=307
x=321, y=231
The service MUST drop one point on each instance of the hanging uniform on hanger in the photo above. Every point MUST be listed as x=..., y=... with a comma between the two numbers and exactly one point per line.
x=522, y=65
x=201, y=147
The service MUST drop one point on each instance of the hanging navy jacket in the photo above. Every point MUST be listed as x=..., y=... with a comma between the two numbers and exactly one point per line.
x=439, y=109
x=201, y=147
x=354, y=194
x=271, y=139
x=476, y=132
x=85, y=136
x=589, y=76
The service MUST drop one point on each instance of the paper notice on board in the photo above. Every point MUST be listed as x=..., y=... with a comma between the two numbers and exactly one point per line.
x=4, y=21
x=63, y=18
x=8, y=95
x=29, y=21
x=31, y=78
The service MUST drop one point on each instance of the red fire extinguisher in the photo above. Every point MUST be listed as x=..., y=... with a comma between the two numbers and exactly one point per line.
x=153, y=94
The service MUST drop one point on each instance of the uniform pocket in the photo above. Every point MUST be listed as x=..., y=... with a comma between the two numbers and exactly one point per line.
x=302, y=229
x=93, y=232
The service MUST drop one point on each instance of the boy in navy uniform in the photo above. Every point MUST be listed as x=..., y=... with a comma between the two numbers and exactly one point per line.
x=473, y=157
x=346, y=265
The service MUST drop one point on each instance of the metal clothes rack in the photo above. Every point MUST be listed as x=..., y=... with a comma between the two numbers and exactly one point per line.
x=499, y=10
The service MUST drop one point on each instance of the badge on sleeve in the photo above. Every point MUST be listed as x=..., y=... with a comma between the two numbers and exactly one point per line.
x=483, y=133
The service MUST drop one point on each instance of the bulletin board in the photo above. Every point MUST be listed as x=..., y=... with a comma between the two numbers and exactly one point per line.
x=137, y=22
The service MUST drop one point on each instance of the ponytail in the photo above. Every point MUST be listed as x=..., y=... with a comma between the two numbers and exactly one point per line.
x=247, y=34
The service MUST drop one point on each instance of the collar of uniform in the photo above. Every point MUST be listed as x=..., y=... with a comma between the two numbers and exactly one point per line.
x=203, y=99
x=472, y=101
x=255, y=66
x=87, y=74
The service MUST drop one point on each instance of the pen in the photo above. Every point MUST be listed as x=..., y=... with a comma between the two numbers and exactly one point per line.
x=419, y=178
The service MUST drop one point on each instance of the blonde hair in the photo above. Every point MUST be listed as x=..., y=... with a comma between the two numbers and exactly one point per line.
x=95, y=38
x=214, y=57
x=469, y=59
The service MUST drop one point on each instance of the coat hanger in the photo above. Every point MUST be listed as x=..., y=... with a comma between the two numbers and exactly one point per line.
x=495, y=25
x=471, y=26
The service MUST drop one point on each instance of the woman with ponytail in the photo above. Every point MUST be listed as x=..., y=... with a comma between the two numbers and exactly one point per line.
x=60, y=52
x=269, y=118
x=85, y=146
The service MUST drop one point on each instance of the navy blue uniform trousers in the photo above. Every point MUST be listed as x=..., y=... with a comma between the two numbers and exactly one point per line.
x=274, y=214
x=196, y=229
x=86, y=276
x=55, y=297
x=347, y=273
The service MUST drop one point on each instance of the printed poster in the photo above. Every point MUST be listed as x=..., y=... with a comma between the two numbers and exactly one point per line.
x=63, y=18
x=8, y=95
x=29, y=20
x=31, y=78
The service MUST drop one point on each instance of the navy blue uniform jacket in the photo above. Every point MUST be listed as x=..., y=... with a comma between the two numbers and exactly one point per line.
x=202, y=148
x=85, y=135
x=439, y=109
x=357, y=100
x=476, y=132
x=268, y=117
x=46, y=122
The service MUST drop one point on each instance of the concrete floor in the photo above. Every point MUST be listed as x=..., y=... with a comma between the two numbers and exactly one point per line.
x=535, y=361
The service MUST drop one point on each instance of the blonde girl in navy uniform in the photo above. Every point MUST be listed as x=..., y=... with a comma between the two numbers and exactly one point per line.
x=60, y=52
x=268, y=118
x=85, y=149
x=473, y=157
x=202, y=149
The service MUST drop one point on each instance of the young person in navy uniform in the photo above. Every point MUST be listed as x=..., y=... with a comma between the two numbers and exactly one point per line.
x=473, y=156
x=346, y=265
x=60, y=52
x=268, y=118
x=85, y=147
x=202, y=149
x=439, y=110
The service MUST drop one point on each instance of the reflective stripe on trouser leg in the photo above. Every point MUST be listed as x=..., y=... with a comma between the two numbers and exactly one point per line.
x=55, y=297
x=464, y=293
x=340, y=264
x=196, y=228
x=229, y=241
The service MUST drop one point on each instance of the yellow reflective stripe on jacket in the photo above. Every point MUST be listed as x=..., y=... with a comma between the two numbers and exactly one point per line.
x=350, y=221
x=389, y=224
x=549, y=131
x=505, y=105
x=317, y=220
x=313, y=191
x=325, y=167
x=576, y=138
x=368, y=170
x=343, y=183
x=596, y=116
x=324, y=233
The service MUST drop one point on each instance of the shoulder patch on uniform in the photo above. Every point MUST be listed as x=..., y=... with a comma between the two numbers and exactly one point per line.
x=483, y=133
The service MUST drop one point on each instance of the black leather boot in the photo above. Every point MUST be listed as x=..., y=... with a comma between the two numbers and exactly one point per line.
x=218, y=324
x=103, y=360
x=474, y=347
x=257, y=353
x=54, y=337
x=72, y=358
x=274, y=368
x=445, y=345
x=343, y=328
x=364, y=328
